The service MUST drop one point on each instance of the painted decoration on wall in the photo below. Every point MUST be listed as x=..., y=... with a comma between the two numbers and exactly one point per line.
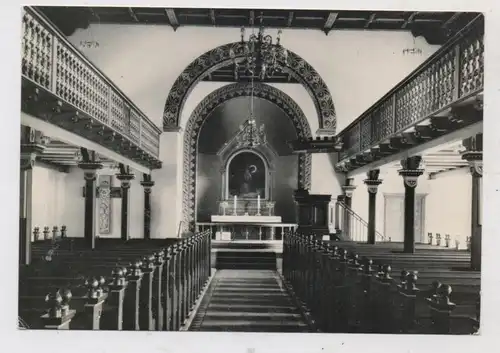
x=247, y=176
x=104, y=204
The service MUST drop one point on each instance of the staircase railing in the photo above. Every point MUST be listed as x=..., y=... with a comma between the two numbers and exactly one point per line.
x=357, y=228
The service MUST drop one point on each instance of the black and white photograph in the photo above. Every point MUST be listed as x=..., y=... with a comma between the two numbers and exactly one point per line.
x=251, y=170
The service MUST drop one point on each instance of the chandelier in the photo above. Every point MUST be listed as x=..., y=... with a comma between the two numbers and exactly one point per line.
x=259, y=56
x=250, y=135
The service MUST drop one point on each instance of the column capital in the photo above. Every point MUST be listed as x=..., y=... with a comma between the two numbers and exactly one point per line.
x=475, y=160
x=372, y=185
x=348, y=190
x=148, y=185
x=125, y=180
x=349, y=187
x=29, y=152
x=410, y=170
x=90, y=169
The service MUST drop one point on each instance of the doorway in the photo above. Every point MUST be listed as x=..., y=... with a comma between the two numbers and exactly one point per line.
x=394, y=217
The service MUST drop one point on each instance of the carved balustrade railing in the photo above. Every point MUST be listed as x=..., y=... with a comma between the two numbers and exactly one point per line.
x=54, y=64
x=453, y=74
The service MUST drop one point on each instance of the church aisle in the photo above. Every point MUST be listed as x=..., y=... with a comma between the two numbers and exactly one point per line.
x=248, y=301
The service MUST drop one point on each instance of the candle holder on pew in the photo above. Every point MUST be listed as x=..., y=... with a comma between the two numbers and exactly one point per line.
x=438, y=239
x=36, y=234
x=447, y=240
x=441, y=308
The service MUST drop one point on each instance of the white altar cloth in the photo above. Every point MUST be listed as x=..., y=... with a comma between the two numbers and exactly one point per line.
x=245, y=219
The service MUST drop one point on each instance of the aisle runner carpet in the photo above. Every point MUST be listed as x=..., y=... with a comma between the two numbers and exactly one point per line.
x=248, y=301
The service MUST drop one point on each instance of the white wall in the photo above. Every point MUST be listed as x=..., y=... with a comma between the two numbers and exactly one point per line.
x=358, y=67
x=58, y=200
x=447, y=202
x=49, y=198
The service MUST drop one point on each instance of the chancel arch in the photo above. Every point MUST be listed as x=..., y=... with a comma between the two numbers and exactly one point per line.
x=220, y=57
x=206, y=107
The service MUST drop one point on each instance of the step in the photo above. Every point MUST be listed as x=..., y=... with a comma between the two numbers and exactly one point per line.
x=261, y=302
x=251, y=315
x=254, y=308
x=247, y=266
x=249, y=326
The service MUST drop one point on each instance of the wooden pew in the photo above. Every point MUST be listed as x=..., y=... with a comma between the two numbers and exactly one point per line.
x=175, y=278
x=346, y=294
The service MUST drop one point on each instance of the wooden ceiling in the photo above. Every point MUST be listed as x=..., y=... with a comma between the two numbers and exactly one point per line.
x=436, y=27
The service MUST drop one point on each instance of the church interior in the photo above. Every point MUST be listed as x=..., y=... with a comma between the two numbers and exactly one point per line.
x=252, y=170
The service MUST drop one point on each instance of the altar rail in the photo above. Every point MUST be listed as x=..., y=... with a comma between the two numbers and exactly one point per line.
x=51, y=62
x=451, y=75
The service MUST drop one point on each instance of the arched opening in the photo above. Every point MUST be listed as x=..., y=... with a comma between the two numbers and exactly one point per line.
x=220, y=57
x=200, y=193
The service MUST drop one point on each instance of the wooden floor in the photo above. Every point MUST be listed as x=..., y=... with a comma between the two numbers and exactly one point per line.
x=248, y=301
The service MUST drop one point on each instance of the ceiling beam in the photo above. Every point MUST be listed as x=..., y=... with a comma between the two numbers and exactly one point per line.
x=212, y=16
x=132, y=14
x=450, y=20
x=330, y=21
x=290, y=19
x=370, y=20
x=172, y=18
x=409, y=20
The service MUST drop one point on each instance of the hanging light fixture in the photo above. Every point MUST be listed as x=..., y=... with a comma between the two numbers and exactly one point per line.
x=250, y=135
x=259, y=56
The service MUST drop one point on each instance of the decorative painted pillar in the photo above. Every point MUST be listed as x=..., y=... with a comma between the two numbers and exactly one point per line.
x=474, y=155
x=372, y=182
x=410, y=172
x=348, y=191
x=90, y=168
x=125, y=178
x=148, y=184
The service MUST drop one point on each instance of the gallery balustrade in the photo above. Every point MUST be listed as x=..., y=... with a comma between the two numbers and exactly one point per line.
x=50, y=63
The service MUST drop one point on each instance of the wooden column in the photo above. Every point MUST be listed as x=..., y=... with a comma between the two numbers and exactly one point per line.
x=148, y=184
x=410, y=173
x=474, y=155
x=28, y=156
x=372, y=182
x=90, y=166
x=32, y=144
x=348, y=191
x=340, y=198
x=125, y=178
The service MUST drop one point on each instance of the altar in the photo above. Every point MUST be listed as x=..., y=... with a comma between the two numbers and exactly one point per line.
x=245, y=210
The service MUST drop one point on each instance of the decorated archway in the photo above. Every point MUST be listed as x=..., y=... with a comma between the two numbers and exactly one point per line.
x=203, y=111
x=220, y=57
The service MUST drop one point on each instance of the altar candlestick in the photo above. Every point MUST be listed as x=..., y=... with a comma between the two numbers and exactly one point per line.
x=234, y=205
x=258, y=204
